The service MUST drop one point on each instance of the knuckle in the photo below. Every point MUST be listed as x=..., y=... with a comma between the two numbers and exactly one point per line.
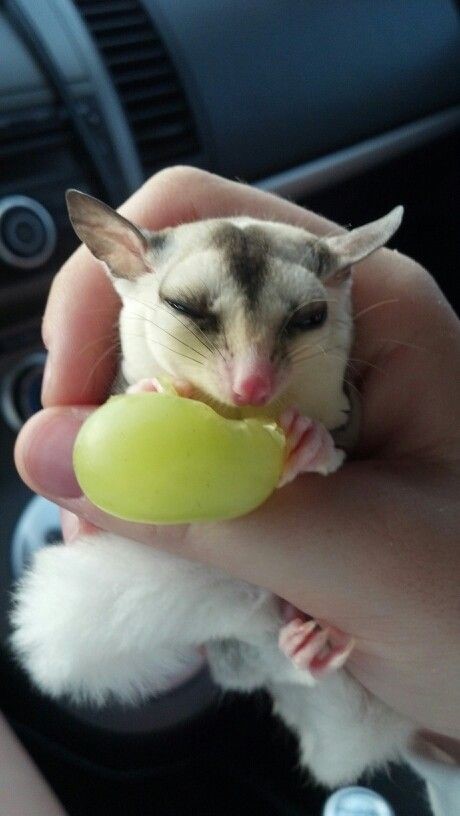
x=177, y=176
x=411, y=271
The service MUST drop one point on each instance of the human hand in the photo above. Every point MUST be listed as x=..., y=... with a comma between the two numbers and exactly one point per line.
x=371, y=549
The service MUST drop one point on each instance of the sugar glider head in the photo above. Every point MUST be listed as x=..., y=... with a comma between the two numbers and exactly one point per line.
x=238, y=307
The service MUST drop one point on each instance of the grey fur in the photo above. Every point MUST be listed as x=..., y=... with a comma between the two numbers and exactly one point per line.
x=246, y=255
x=158, y=240
x=235, y=665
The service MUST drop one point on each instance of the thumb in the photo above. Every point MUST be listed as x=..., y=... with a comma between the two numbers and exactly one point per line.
x=324, y=544
x=308, y=543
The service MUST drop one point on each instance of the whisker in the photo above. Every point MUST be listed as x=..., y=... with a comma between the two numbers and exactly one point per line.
x=352, y=385
x=348, y=360
x=208, y=340
x=97, y=340
x=306, y=346
x=329, y=353
x=366, y=310
x=346, y=323
x=403, y=343
x=103, y=356
x=210, y=347
x=170, y=334
x=174, y=351
x=353, y=368
x=374, y=306
x=99, y=310
x=163, y=345
x=160, y=306
x=313, y=356
x=367, y=363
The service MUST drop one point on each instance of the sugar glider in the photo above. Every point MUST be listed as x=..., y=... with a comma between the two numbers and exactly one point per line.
x=253, y=317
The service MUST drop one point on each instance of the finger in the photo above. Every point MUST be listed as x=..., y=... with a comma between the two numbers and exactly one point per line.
x=43, y=456
x=73, y=526
x=69, y=525
x=80, y=333
x=345, y=551
x=331, y=510
x=407, y=356
x=79, y=325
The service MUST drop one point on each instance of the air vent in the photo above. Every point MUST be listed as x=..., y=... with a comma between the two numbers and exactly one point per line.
x=35, y=143
x=147, y=83
x=40, y=157
x=42, y=128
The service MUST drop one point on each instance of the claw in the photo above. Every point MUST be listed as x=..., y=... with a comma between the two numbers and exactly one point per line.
x=309, y=648
x=333, y=660
x=310, y=447
x=292, y=635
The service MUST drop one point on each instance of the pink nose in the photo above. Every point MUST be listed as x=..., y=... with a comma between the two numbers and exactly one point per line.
x=253, y=390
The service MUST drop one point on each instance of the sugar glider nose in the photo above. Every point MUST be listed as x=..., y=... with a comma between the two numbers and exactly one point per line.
x=256, y=389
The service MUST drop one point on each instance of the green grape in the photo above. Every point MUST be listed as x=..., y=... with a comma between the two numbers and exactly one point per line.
x=164, y=459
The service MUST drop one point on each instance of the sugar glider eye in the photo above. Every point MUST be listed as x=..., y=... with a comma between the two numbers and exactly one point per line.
x=187, y=309
x=307, y=318
x=205, y=319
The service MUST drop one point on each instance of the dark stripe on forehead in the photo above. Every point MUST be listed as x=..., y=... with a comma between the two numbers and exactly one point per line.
x=323, y=259
x=246, y=255
x=157, y=240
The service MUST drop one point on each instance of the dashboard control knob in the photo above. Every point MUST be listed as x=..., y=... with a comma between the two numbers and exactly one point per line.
x=357, y=801
x=38, y=526
x=20, y=389
x=27, y=232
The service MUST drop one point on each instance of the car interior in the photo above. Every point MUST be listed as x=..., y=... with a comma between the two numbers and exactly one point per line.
x=346, y=108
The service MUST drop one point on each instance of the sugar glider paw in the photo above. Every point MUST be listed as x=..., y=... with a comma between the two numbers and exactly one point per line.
x=310, y=447
x=310, y=648
x=147, y=385
x=153, y=385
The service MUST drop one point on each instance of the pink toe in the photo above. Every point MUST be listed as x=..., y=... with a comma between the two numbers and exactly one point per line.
x=334, y=660
x=147, y=385
x=183, y=388
x=293, y=641
x=313, y=646
x=290, y=630
x=320, y=651
x=287, y=419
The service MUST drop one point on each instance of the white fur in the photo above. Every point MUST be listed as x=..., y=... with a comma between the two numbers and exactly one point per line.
x=342, y=730
x=106, y=617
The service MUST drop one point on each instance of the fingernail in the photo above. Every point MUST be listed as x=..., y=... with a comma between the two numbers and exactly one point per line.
x=46, y=335
x=73, y=526
x=70, y=525
x=46, y=378
x=47, y=456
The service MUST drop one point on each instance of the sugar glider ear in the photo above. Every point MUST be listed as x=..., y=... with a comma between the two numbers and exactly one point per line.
x=110, y=237
x=354, y=246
